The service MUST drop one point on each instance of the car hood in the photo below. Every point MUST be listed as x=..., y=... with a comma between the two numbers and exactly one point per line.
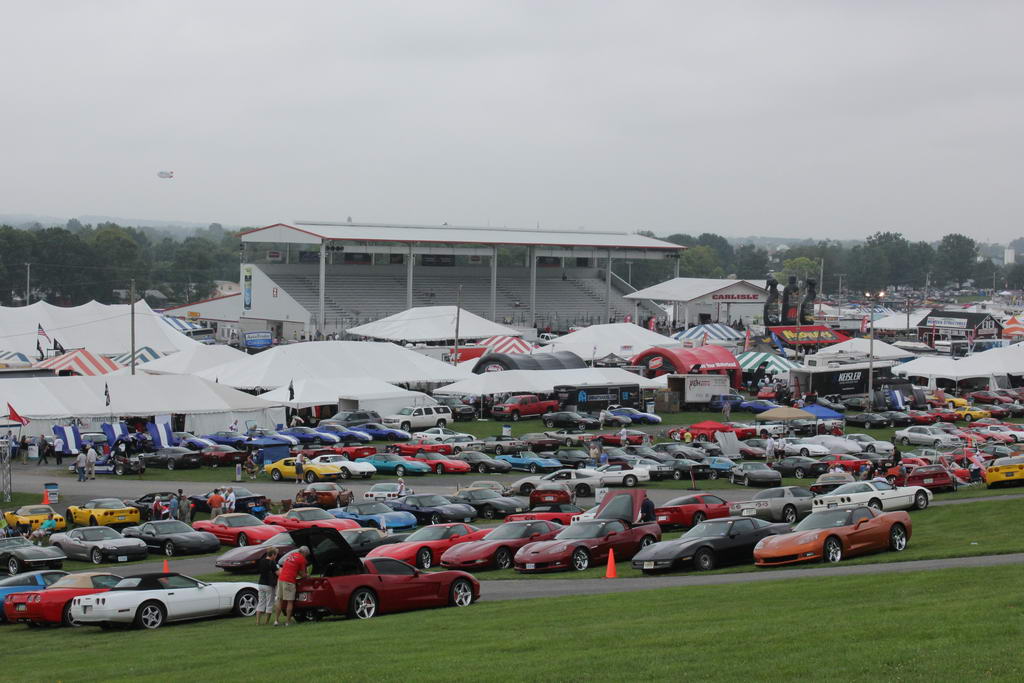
x=666, y=550
x=247, y=553
x=191, y=536
x=331, y=555
x=794, y=538
x=503, y=501
x=553, y=547
x=452, y=509
x=118, y=543
x=482, y=546
x=38, y=553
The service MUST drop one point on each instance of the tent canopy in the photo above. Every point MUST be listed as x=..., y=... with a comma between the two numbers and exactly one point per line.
x=193, y=359
x=716, y=331
x=80, y=362
x=541, y=381
x=505, y=344
x=431, y=323
x=860, y=346
x=143, y=355
x=784, y=413
x=622, y=339
x=751, y=360
x=1013, y=327
x=325, y=391
x=822, y=413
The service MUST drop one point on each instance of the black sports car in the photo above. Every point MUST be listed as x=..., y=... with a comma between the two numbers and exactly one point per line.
x=707, y=545
x=868, y=420
x=570, y=420
x=245, y=501
x=244, y=559
x=679, y=450
x=799, y=466
x=831, y=404
x=431, y=508
x=144, y=504
x=709, y=449
x=609, y=420
x=488, y=503
x=173, y=458
x=172, y=537
x=18, y=554
x=570, y=457
x=856, y=403
x=897, y=418
x=481, y=462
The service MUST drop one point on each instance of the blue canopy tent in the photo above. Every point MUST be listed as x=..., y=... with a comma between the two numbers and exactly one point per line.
x=822, y=413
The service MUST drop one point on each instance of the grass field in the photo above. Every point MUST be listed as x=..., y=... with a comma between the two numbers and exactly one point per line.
x=960, y=624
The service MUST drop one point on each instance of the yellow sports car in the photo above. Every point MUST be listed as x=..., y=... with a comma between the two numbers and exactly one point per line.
x=285, y=469
x=103, y=512
x=33, y=516
x=1005, y=471
x=970, y=413
x=952, y=402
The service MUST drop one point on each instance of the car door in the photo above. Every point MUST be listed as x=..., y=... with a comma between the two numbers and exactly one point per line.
x=860, y=535
x=894, y=498
x=401, y=587
x=74, y=546
x=714, y=507
x=742, y=539
x=186, y=599
x=148, y=534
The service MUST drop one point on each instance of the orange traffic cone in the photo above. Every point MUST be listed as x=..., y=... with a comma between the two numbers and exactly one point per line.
x=167, y=567
x=611, y=572
x=46, y=496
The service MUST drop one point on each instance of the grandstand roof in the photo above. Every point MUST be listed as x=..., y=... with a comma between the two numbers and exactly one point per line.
x=307, y=232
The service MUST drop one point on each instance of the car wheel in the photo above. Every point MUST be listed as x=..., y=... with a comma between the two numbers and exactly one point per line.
x=488, y=512
x=646, y=541
x=435, y=518
x=568, y=441
x=677, y=475
x=169, y=548
x=119, y=470
x=515, y=416
x=805, y=452
x=400, y=470
x=875, y=504
x=503, y=558
x=580, y=559
x=170, y=464
x=498, y=450
x=93, y=522
x=629, y=481
x=937, y=444
x=245, y=603
x=439, y=469
x=798, y=473
x=746, y=480
x=243, y=540
x=424, y=559
x=832, y=551
x=713, y=474
x=461, y=594
x=65, y=616
x=275, y=475
x=704, y=560
x=897, y=538
x=549, y=424
x=345, y=474
x=697, y=518
x=583, y=490
x=13, y=566
x=905, y=440
x=789, y=514
x=406, y=427
x=96, y=556
x=362, y=604
x=526, y=489
x=967, y=417
x=442, y=423
x=150, y=615
x=533, y=468
x=311, y=477
x=920, y=500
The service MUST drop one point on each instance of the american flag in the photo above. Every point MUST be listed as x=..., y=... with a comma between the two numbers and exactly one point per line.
x=41, y=332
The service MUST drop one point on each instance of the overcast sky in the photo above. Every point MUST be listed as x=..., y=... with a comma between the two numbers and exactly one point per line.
x=797, y=119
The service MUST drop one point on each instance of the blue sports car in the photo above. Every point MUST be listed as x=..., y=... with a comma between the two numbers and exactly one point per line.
x=758, y=405
x=720, y=467
x=310, y=435
x=637, y=416
x=190, y=440
x=376, y=514
x=530, y=462
x=228, y=438
x=273, y=435
x=395, y=464
x=30, y=581
x=379, y=431
x=344, y=433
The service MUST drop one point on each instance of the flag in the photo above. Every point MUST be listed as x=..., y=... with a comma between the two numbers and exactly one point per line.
x=746, y=342
x=41, y=332
x=106, y=393
x=57, y=346
x=12, y=414
x=778, y=344
x=39, y=348
x=863, y=324
x=291, y=390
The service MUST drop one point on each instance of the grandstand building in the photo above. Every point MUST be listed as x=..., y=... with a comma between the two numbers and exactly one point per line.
x=322, y=278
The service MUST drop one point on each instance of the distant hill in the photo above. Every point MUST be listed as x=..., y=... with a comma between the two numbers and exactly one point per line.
x=26, y=220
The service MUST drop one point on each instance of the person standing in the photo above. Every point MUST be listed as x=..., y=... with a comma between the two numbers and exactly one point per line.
x=769, y=449
x=726, y=410
x=293, y=569
x=23, y=449
x=172, y=506
x=229, y=500
x=90, y=462
x=184, y=508
x=80, y=462
x=267, y=569
x=58, y=450
x=216, y=502
x=299, y=466
x=42, y=450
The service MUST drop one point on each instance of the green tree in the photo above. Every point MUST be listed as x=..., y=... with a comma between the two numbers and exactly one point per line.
x=723, y=250
x=985, y=274
x=955, y=257
x=751, y=262
x=699, y=262
x=801, y=266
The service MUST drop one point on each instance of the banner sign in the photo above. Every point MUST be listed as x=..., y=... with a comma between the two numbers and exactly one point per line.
x=813, y=334
x=936, y=321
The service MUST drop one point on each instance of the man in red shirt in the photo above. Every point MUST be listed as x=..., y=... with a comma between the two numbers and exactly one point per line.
x=216, y=503
x=292, y=569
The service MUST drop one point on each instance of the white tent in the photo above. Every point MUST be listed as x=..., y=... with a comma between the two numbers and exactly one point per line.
x=431, y=323
x=898, y=322
x=354, y=392
x=986, y=365
x=105, y=330
x=192, y=360
x=624, y=340
x=280, y=365
x=542, y=381
x=863, y=347
x=207, y=406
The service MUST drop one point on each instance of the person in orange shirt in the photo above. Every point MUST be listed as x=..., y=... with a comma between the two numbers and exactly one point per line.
x=216, y=502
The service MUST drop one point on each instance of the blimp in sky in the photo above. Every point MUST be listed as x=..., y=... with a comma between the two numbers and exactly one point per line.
x=165, y=174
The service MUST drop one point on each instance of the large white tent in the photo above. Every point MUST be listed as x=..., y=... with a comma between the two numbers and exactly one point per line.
x=103, y=329
x=863, y=347
x=986, y=365
x=624, y=340
x=431, y=323
x=353, y=392
x=192, y=360
x=206, y=406
x=280, y=365
x=542, y=381
x=901, y=322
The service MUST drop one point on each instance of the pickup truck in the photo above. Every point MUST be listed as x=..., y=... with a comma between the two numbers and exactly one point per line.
x=527, y=405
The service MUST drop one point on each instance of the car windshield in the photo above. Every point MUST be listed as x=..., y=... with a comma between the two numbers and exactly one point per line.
x=507, y=532
x=391, y=457
x=582, y=530
x=824, y=520
x=171, y=527
x=372, y=509
x=485, y=494
x=109, y=503
x=31, y=510
x=384, y=487
x=239, y=520
x=405, y=411
x=313, y=514
x=705, y=529
x=243, y=493
x=427, y=501
x=100, y=533
x=755, y=466
x=303, y=430
x=14, y=542
x=279, y=540
x=428, y=533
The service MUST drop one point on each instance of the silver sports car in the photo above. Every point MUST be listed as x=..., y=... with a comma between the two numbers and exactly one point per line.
x=780, y=504
x=98, y=544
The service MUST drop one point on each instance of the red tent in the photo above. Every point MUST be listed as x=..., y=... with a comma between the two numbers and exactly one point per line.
x=706, y=360
x=80, y=362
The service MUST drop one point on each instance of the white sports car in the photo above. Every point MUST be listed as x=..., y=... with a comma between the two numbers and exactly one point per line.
x=616, y=475
x=845, y=445
x=872, y=445
x=806, y=448
x=583, y=481
x=151, y=600
x=875, y=494
x=349, y=469
x=438, y=435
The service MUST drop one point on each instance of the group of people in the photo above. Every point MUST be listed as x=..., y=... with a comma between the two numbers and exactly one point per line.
x=277, y=584
x=221, y=501
x=37, y=448
x=175, y=506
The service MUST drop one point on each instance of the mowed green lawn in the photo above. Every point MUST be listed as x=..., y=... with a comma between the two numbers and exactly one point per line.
x=962, y=624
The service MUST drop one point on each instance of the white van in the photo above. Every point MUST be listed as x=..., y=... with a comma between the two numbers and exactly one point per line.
x=419, y=417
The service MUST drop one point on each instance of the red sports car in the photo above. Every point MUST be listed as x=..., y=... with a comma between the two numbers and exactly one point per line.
x=934, y=477
x=365, y=588
x=53, y=605
x=549, y=492
x=441, y=464
x=944, y=414
x=588, y=542
x=219, y=454
x=305, y=518
x=238, y=529
x=556, y=512
x=419, y=448
x=634, y=437
x=689, y=510
x=988, y=397
x=498, y=549
x=742, y=430
x=424, y=547
x=847, y=462
x=920, y=417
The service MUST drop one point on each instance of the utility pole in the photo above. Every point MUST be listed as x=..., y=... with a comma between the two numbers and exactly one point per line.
x=28, y=283
x=840, y=292
x=458, y=316
x=132, y=297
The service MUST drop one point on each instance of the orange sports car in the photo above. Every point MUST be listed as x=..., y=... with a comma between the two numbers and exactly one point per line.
x=832, y=534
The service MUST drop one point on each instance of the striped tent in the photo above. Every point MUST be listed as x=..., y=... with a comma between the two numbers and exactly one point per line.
x=716, y=331
x=13, y=357
x=180, y=324
x=143, y=355
x=750, y=360
x=79, y=361
x=504, y=344
x=1013, y=327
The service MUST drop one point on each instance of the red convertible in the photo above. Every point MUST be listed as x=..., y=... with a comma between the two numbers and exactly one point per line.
x=238, y=529
x=587, y=543
x=365, y=588
x=689, y=510
x=419, y=448
x=498, y=549
x=556, y=512
x=310, y=518
x=425, y=546
x=53, y=605
x=440, y=464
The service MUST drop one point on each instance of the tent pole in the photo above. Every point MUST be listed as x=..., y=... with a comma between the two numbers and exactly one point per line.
x=132, y=297
x=458, y=312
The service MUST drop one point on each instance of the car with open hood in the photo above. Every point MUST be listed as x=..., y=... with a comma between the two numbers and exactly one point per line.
x=829, y=535
x=708, y=545
x=173, y=537
x=830, y=481
x=498, y=548
x=616, y=527
x=363, y=588
x=431, y=508
x=99, y=544
x=423, y=548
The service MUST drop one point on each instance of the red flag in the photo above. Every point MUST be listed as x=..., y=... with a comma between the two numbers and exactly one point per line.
x=863, y=324
x=746, y=342
x=13, y=415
